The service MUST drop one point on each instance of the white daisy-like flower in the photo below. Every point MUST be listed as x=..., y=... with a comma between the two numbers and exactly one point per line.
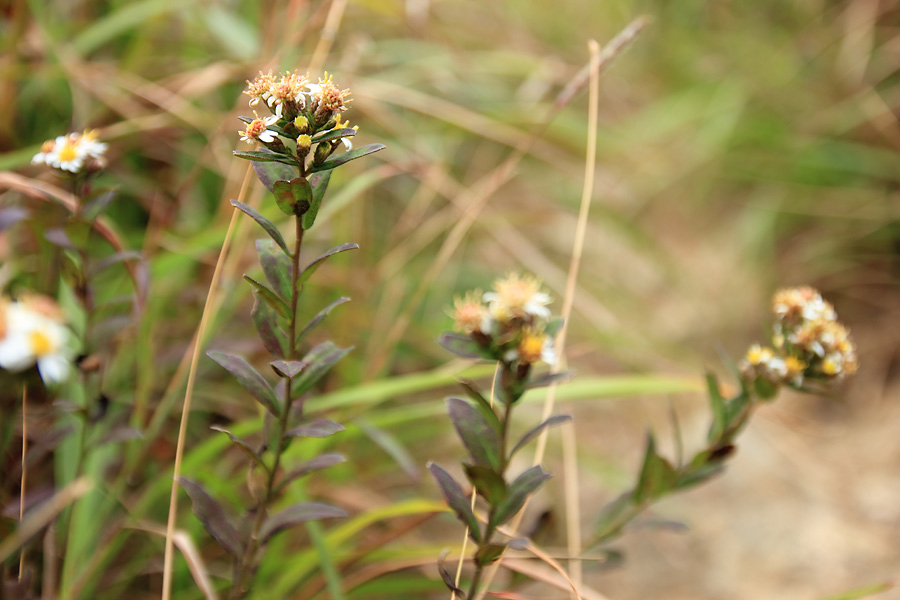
x=257, y=130
x=34, y=337
x=70, y=152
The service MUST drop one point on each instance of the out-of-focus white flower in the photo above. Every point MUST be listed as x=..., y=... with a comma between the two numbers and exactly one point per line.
x=70, y=152
x=35, y=334
x=517, y=297
x=257, y=130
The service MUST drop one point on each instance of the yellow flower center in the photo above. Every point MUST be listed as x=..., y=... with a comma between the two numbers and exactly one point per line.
x=67, y=153
x=530, y=347
x=40, y=343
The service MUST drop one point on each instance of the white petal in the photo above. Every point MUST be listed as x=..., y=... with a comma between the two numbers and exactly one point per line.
x=15, y=352
x=347, y=143
x=53, y=368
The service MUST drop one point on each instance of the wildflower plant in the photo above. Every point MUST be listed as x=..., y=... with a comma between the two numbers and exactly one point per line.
x=510, y=325
x=810, y=351
x=295, y=158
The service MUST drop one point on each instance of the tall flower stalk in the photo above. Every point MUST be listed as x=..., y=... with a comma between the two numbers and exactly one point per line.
x=511, y=326
x=296, y=153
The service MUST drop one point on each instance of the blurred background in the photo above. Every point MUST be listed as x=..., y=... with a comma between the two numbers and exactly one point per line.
x=743, y=146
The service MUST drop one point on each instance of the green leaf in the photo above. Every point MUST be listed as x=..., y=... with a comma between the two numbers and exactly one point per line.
x=657, y=475
x=270, y=172
x=320, y=316
x=482, y=404
x=244, y=446
x=717, y=407
x=614, y=516
x=263, y=222
x=340, y=159
x=456, y=499
x=519, y=490
x=287, y=368
x=319, y=183
x=553, y=327
x=293, y=197
x=320, y=359
x=548, y=379
x=297, y=514
x=319, y=428
x=488, y=554
x=333, y=134
x=309, y=269
x=463, y=346
x=323, y=461
x=277, y=267
x=270, y=297
x=476, y=433
x=248, y=377
x=266, y=322
x=551, y=422
x=261, y=156
x=486, y=482
x=213, y=517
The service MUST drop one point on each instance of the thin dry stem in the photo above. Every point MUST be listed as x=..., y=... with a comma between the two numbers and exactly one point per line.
x=326, y=38
x=188, y=395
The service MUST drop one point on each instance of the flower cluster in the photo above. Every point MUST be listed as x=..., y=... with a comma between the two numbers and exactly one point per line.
x=33, y=332
x=300, y=110
x=511, y=322
x=73, y=153
x=808, y=343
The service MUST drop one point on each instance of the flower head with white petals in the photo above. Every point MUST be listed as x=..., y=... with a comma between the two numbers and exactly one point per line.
x=35, y=334
x=72, y=152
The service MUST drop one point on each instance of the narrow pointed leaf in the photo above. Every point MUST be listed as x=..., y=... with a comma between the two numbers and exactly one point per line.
x=323, y=461
x=548, y=379
x=462, y=346
x=97, y=205
x=297, y=514
x=320, y=316
x=213, y=517
x=288, y=368
x=320, y=428
x=717, y=407
x=260, y=156
x=244, y=446
x=266, y=322
x=340, y=159
x=320, y=360
x=614, y=516
x=519, y=491
x=333, y=134
x=657, y=475
x=248, y=377
x=265, y=223
x=117, y=258
x=488, y=554
x=456, y=500
x=482, y=404
x=311, y=267
x=477, y=435
x=487, y=482
x=293, y=197
x=551, y=422
x=270, y=297
x=277, y=268
x=319, y=183
x=392, y=446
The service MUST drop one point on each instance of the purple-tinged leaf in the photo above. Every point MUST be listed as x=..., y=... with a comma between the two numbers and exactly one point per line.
x=264, y=222
x=320, y=428
x=118, y=257
x=213, y=517
x=297, y=514
x=60, y=238
x=449, y=580
x=270, y=297
x=323, y=461
x=548, y=379
x=95, y=206
x=551, y=422
x=294, y=196
x=519, y=490
x=482, y=404
x=456, y=500
x=266, y=322
x=462, y=346
x=340, y=159
x=11, y=215
x=277, y=268
x=244, y=446
x=248, y=377
x=520, y=544
x=261, y=156
x=288, y=368
x=320, y=359
x=319, y=183
x=320, y=316
x=270, y=172
x=477, y=435
x=307, y=271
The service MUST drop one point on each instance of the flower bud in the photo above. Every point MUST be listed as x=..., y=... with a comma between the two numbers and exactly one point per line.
x=323, y=151
x=302, y=124
x=303, y=144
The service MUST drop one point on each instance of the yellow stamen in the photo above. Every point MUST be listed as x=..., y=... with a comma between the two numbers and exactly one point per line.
x=40, y=343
